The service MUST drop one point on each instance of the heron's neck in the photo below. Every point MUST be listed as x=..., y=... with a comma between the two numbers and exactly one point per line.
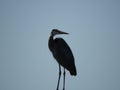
x=51, y=38
x=51, y=42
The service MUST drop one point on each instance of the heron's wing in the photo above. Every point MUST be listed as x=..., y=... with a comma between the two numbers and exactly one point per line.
x=64, y=55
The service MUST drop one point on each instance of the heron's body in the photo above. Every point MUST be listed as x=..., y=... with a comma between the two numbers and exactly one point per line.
x=62, y=53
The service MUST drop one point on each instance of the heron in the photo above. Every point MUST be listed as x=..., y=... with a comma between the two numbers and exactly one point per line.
x=63, y=55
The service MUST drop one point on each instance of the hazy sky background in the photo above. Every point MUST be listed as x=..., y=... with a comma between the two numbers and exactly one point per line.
x=25, y=60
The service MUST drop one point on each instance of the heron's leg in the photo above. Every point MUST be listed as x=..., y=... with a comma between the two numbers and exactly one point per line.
x=59, y=77
x=64, y=79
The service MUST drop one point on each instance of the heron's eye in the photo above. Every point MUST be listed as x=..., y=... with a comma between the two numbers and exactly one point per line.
x=54, y=33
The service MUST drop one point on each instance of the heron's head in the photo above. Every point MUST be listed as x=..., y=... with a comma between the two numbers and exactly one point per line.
x=56, y=32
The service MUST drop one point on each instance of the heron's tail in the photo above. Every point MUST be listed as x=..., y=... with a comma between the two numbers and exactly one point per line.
x=73, y=71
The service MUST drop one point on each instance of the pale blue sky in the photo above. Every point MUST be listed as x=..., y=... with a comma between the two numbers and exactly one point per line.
x=25, y=60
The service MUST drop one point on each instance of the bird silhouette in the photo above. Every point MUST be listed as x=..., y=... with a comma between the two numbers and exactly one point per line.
x=63, y=55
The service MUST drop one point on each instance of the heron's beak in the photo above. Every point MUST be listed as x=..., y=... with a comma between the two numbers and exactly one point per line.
x=61, y=32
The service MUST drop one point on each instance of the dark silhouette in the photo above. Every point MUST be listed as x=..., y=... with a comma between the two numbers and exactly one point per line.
x=63, y=54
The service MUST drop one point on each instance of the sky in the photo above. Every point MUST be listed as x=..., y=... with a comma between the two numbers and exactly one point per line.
x=25, y=60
